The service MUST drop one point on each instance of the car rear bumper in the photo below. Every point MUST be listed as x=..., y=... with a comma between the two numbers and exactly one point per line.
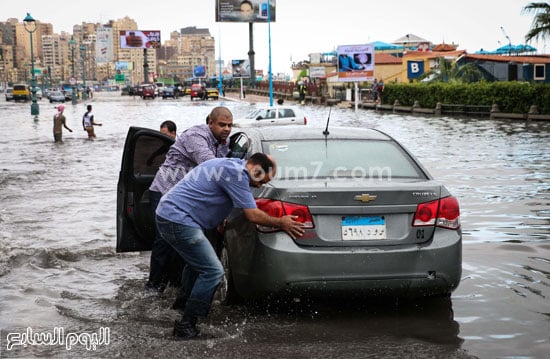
x=278, y=265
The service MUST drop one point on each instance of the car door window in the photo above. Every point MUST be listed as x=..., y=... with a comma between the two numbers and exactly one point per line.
x=286, y=112
x=149, y=155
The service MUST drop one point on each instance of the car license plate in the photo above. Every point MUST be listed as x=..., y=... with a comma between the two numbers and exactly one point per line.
x=363, y=228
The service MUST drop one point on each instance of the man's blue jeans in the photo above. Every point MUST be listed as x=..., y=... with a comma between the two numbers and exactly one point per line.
x=193, y=246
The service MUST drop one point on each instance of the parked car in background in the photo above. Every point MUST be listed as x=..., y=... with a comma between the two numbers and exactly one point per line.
x=213, y=93
x=197, y=91
x=21, y=92
x=56, y=96
x=376, y=224
x=168, y=92
x=272, y=115
x=9, y=94
x=148, y=91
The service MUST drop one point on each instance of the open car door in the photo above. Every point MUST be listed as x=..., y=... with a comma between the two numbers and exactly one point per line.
x=144, y=152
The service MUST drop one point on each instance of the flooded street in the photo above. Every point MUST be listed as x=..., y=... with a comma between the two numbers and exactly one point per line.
x=59, y=269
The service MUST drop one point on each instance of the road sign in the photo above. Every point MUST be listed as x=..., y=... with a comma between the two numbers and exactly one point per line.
x=72, y=81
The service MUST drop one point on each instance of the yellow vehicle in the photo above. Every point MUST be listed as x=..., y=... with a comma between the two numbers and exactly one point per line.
x=21, y=92
x=212, y=92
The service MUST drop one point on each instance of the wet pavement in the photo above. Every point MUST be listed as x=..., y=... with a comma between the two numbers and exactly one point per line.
x=59, y=269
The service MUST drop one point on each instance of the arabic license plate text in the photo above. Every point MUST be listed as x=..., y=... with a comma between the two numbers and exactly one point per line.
x=363, y=228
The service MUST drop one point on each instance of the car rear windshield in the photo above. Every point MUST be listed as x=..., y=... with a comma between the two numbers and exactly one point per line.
x=19, y=87
x=341, y=158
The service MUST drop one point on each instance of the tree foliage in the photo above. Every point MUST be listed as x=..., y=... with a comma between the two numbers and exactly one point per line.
x=540, y=28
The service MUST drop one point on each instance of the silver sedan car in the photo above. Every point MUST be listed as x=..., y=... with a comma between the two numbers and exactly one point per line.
x=376, y=222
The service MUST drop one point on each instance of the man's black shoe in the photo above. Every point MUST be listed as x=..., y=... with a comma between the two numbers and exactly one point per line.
x=179, y=303
x=150, y=287
x=184, y=330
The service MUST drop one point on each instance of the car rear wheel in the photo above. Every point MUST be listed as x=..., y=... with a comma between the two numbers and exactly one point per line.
x=226, y=291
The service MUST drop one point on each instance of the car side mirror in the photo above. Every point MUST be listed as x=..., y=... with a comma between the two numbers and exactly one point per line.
x=239, y=144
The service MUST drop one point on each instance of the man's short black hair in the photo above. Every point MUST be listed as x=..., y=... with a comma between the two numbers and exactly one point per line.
x=170, y=125
x=263, y=160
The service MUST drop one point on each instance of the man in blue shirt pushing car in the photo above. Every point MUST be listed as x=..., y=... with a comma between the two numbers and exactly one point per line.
x=202, y=200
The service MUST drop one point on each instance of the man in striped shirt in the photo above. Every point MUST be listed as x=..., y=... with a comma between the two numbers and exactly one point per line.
x=194, y=146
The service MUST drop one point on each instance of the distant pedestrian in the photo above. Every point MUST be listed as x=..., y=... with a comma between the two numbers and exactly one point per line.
x=380, y=90
x=59, y=123
x=244, y=91
x=88, y=122
x=302, y=91
x=374, y=91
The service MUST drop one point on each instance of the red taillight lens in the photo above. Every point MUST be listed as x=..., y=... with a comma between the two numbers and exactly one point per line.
x=425, y=214
x=449, y=213
x=305, y=120
x=442, y=213
x=278, y=209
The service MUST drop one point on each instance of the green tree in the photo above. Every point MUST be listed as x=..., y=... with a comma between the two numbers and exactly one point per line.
x=540, y=28
x=452, y=71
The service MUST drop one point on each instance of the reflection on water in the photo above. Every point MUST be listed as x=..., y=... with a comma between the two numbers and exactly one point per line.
x=58, y=267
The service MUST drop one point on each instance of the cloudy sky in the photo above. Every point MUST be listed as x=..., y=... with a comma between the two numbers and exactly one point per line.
x=304, y=26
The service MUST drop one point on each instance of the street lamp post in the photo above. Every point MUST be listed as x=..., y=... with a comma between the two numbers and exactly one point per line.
x=83, y=54
x=30, y=26
x=72, y=44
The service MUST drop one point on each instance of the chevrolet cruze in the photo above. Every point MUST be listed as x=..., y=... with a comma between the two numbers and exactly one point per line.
x=376, y=222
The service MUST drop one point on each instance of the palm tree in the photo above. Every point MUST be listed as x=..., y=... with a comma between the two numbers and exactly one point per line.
x=541, y=22
x=453, y=71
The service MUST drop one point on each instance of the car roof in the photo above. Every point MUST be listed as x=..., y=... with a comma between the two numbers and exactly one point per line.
x=274, y=133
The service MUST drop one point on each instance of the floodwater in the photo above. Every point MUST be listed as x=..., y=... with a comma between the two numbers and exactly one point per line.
x=60, y=275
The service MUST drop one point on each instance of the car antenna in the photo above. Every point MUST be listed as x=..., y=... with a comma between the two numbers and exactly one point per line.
x=325, y=132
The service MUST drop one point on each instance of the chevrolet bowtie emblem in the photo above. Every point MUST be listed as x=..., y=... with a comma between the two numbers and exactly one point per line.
x=365, y=197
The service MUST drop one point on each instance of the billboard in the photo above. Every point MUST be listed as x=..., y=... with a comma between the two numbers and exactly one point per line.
x=139, y=39
x=240, y=68
x=317, y=72
x=415, y=69
x=124, y=66
x=199, y=71
x=355, y=63
x=245, y=10
x=104, y=45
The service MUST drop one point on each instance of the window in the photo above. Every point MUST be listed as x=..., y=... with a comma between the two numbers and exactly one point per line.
x=539, y=72
x=339, y=158
x=149, y=155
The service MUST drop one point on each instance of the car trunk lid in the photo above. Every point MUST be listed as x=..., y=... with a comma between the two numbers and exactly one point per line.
x=361, y=213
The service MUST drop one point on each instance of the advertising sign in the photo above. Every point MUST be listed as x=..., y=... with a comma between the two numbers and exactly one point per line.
x=139, y=39
x=355, y=63
x=245, y=10
x=318, y=72
x=240, y=68
x=199, y=71
x=415, y=69
x=123, y=66
x=104, y=45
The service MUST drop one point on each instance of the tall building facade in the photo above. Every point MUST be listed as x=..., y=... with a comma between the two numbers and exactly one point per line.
x=58, y=56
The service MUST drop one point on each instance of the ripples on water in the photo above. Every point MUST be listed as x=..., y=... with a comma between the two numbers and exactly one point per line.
x=58, y=266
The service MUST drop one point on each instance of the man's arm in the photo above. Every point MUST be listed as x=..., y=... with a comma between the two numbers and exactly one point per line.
x=286, y=223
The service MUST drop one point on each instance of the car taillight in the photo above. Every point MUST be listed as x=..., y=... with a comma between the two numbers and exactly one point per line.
x=441, y=213
x=305, y=120
x=277, y=208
